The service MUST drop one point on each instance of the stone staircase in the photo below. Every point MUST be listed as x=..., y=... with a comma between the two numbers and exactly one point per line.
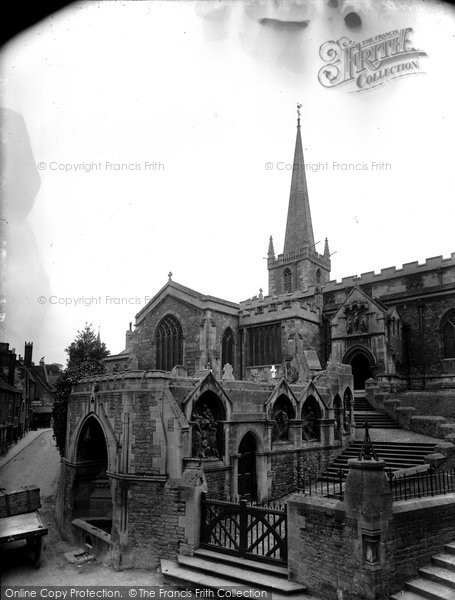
x=211, y=570
x=436, y=581
x=397, y=455
x=363, y=411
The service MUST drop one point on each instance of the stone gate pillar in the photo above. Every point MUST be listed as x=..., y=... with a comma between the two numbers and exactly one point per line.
x=368, y=505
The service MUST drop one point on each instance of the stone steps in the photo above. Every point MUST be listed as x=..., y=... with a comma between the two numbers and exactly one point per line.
x=215, y=570
x=397, y=456
x=436, y=581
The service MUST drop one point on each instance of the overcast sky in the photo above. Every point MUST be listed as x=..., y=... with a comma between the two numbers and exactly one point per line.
x=208, y=92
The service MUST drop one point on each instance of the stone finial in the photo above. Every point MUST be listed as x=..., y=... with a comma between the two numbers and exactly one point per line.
x=261, y=295
x=170, y=276
x=326, y=248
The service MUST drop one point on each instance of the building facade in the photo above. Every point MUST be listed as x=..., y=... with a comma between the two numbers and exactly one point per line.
x=396, y=326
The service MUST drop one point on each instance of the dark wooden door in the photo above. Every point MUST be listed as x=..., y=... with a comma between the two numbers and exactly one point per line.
x=247, y=488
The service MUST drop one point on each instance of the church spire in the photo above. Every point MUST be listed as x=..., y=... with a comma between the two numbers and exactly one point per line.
x=299, y=229
x=271, y=250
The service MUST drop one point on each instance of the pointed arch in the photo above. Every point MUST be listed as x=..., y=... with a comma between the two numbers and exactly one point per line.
x=228, y=348
x=247, y=476
x=311, y=417
x=447, y=329
x=287, y=280
x=338, y=415
x=168, y=343
x=348, y=409
x=318, y=276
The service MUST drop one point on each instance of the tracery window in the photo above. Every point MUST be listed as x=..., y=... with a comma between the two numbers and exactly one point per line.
x=448, y=334
x=264, y=345
x=169, y=343
x=287, y=280
x=227, y=348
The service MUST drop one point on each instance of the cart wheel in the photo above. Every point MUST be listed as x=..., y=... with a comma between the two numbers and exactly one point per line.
x=38, y=552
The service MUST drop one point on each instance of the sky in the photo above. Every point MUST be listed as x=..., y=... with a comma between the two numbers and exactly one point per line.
x=199, y=101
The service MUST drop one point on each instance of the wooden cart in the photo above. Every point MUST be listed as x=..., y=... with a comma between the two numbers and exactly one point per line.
x=23, y=521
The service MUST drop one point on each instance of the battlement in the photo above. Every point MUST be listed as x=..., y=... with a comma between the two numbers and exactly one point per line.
x=412, y=268
x=281, y=306
x=283, y=259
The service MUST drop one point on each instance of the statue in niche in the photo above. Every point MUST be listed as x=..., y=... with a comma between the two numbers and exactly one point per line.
x=205, y=430
x=308, y=424
x=363, y=323
x=356, y=321
x=280, y=429
x=349, y=325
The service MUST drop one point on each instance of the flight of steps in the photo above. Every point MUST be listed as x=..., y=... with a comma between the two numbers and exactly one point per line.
x=216, y=571
x=436, y=581
x=397, y=455
x=363, y=411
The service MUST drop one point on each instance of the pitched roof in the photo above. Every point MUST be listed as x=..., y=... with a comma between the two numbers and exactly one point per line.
x=174, y=288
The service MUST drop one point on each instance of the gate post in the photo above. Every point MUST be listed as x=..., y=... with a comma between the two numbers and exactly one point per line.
x=243, y=521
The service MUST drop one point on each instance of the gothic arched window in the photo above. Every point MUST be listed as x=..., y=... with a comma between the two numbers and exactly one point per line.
x=318, y=276
x=448, y=334
x=169, y=343
x=227, y=348
x=287, y=280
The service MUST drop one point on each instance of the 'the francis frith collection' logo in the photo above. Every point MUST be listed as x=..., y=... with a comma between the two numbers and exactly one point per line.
x=369, y=63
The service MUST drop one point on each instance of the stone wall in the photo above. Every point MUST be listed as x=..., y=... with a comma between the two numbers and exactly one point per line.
x=416, y=411
x=419, y=530
x=321, y=554
x=365, y=547
x=194, y=349
x=284, y=466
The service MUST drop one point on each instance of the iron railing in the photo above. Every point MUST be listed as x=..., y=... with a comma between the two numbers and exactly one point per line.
x=312, y=484
x=421, y=484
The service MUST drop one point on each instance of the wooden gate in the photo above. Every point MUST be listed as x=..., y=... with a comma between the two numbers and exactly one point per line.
x=250, y=531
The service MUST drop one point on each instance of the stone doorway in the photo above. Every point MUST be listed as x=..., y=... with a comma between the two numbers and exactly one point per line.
x=92, y=499
x=361, y=370
x=247, y=480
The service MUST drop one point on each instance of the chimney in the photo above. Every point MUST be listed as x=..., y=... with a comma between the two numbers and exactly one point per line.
x=28, y=351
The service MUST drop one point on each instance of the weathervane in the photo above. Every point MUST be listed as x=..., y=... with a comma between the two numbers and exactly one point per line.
x=299, y=106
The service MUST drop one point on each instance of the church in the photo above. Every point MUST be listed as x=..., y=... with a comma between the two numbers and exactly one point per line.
x=397, y=326
x=216, y=410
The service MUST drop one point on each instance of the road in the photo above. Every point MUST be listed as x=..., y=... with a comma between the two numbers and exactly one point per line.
x=37, y=464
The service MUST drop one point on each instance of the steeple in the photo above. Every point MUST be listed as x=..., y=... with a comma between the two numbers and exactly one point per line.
x=271, y=250
x=299, y=229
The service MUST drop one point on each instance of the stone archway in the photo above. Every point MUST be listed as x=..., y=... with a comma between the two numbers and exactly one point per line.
x=282, y=412
x=207, y=420
x=92, y=498
x=347, y=409
x=363, y=365
x=247, y=477
x=311, y=420
x=338, y=414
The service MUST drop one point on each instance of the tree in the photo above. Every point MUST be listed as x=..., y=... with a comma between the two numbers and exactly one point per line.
x=85, y=359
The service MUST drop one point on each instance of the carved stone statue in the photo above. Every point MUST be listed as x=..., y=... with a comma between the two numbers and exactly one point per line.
x=363, y=323
x=349, y=325
x=280, y=429
x=308, y=424
x=205, y=430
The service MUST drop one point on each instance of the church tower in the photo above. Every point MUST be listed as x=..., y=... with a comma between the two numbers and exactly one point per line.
x=300, y=266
